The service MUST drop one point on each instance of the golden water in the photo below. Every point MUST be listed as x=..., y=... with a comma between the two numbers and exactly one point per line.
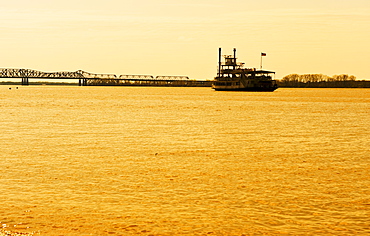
x=184, y=161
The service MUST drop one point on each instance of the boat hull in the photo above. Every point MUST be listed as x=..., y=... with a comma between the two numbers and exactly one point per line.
x=246, y=89
x=261, y=86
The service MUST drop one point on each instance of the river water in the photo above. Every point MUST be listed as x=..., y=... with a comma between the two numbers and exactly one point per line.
x=184, y=161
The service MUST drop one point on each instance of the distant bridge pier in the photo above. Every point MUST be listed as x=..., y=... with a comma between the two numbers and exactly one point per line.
x=82, y=82
x=25, y=81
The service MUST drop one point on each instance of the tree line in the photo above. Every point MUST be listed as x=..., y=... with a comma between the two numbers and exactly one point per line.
x=322, y=81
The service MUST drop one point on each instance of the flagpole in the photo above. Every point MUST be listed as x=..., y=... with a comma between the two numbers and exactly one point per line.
x=263, y=54
x=261, y=61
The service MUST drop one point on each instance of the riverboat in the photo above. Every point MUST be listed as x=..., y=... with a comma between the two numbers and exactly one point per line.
x=232, y=76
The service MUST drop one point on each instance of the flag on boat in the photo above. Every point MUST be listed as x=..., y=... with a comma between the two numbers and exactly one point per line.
x=263, y=54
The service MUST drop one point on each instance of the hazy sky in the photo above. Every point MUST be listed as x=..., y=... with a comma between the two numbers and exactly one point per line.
x=182, y=37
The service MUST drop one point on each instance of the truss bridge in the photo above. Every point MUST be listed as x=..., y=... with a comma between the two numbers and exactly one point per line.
x=90, y=79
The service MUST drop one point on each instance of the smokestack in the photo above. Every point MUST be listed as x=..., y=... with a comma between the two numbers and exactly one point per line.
x=234, y=62
x=219, y=61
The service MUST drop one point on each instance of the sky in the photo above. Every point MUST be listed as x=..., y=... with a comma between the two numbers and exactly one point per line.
x=182, y=37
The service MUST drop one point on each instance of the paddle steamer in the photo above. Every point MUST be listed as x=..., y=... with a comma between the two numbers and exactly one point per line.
x=232, y=76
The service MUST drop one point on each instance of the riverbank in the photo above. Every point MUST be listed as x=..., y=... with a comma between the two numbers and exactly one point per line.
x=325, y=84
x=39, y=83
x=281, y=84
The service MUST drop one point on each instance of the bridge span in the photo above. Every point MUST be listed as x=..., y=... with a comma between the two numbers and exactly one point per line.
x=91, y=79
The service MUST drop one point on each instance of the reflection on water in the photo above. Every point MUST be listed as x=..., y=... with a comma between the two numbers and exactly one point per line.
x=184, y=161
